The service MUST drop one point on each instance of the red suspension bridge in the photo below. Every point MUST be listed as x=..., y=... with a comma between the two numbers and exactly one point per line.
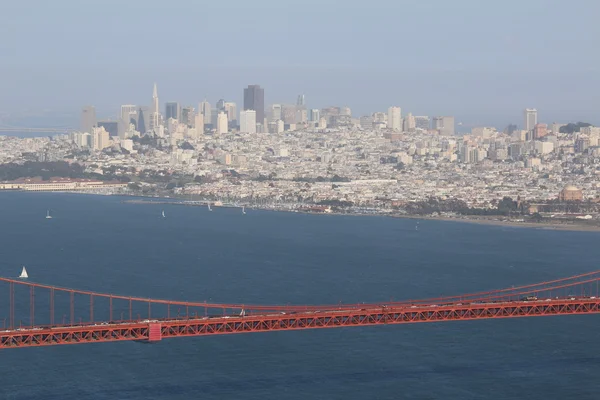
x=44, y=315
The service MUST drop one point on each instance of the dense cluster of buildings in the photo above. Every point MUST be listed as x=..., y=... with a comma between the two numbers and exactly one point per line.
x=191, y=123
x=290, y=153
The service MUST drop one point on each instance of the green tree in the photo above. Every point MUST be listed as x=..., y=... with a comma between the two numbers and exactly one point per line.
x=573, y=127
x=507, y=205
x=537, y=217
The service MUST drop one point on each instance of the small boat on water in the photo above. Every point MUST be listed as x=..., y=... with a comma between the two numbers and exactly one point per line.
x=209, y=209
x=24, y=273
x=48, y=216
x=243, y=210
x=163, y=214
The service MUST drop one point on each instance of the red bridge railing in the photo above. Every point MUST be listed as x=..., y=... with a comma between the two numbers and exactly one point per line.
x=37, y=313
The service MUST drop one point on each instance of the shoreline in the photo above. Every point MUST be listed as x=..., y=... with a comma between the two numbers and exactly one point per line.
x=574, y=227
x=545, y=225
x=513, y=224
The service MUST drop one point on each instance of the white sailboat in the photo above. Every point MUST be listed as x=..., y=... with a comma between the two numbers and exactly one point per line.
x=209, y=209
x=163, y=213
x=243, y=209
x=48, y=216
x=24, y=273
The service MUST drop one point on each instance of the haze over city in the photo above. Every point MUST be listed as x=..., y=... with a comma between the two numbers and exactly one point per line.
x=481, y=62
x=181, y=184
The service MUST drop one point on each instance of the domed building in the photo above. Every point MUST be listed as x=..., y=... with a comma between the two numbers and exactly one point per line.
x=570, y=193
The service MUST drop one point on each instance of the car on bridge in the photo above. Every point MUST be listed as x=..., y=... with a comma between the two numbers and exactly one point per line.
x=529, y=298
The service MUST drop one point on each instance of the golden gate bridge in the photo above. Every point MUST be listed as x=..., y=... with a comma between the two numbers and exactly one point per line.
x=44, y=315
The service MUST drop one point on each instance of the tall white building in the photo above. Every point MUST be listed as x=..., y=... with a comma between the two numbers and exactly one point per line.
x=127, y=144
x=222, y=123
x=81, y=139
x=394, y=119
x=276, y=112
x=322, y=123
x=444, y=125
x=154, y=110
x=314, y=115
x=172, y=125
x=530, y=119
x=230, y=110
x=205, y=109
x=199, y=124
x=88, y=118
x=248, y=121
x=301, y=115
x=409, y=123
x=128, y=116
x=100, y=139
x=128, y=113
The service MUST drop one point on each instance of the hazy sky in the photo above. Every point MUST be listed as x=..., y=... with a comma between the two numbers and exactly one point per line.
x=480, y=60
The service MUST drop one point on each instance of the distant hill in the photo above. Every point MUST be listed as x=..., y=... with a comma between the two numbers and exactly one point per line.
x=573, y=127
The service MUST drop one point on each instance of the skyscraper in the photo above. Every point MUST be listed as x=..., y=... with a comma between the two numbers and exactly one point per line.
x=129, y=114
x=409, y=123
x=530, y=119
x=449, y=126
x=276, y=112
x=394, y=118
x=141, y=120
x=199, y=124
x=214, y=114
x=288, y=113
x=154, y=111
x=222, y=123
x=254, y=99
x=88, y=118
x=301, y=115
x=172, y=111
x=112, y=127
x=300, y=102
x=186, y=115
x=248, y=121
x=422, y=122
x=205, y=109
x=100, y=139
x=231, y=111
x=366, y=122
x=444, y=125
x=128, y=117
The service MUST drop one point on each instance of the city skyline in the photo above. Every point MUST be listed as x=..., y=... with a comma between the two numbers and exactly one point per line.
x=253, y=100
x=482, y=79
x=112, y=112
x=182, y=113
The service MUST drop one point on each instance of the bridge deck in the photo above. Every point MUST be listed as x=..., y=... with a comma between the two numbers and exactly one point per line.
x=147, y=330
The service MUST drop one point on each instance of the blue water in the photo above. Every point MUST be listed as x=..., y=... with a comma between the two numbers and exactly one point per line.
x=101, y=244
